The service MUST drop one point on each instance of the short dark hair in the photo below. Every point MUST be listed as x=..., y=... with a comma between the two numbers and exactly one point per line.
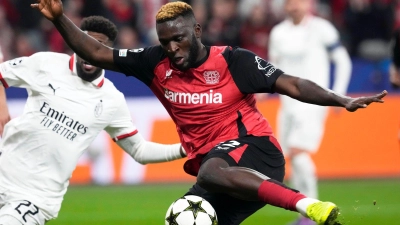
x=173, y=10
x=100, y=25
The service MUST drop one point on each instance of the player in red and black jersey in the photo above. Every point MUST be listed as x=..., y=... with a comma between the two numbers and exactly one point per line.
x=208, y=92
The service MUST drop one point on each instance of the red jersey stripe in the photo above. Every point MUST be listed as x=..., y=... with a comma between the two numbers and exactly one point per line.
x=275, y=142
x=237, y=153
x=3, y=81
x=125, y=135
x=71, y=62
x=101, y=83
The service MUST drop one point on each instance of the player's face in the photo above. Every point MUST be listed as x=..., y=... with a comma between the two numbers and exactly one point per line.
x=180, y=40
x=84, y=69
x=297, y=9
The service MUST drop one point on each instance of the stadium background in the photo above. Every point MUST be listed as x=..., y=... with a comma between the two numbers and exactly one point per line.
x=359, y=160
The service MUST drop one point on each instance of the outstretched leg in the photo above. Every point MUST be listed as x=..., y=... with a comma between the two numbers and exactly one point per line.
x=226, y=170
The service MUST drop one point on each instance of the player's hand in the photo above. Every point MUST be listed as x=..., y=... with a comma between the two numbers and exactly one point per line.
x=51, y=9
x=363, y=102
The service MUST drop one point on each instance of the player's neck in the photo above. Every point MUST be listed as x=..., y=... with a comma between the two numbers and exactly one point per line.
x=298, y=20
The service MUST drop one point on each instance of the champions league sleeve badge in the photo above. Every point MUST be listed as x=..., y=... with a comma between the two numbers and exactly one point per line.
x=98, y=109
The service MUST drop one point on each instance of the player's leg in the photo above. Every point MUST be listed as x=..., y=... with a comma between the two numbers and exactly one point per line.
x=304, y=140
x=216, y=175
x=21, y=213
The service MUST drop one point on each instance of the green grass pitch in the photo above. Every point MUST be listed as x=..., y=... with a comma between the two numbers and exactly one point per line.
x=147, y=204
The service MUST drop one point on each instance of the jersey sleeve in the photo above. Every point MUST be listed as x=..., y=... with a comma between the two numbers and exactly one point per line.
x=251, y=73
x=272, y=50
x=330, y=36
x=20, y=72
x=121, y=125
x=139, y=63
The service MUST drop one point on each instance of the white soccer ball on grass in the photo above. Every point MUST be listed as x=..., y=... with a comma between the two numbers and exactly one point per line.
x=191, y=210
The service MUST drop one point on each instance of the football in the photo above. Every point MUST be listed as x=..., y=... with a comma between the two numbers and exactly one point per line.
x=191, y=210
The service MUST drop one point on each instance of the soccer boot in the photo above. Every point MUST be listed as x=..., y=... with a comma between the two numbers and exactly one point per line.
x=323, y=213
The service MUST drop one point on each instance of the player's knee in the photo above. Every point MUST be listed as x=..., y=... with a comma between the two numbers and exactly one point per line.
x=211, y=175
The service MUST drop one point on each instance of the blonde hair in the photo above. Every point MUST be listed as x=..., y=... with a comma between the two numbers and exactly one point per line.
x=173, y=10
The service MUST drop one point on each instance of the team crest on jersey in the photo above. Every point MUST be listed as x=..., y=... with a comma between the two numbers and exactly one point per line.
x=265, y=66
x=211, y=77
x=98, y=109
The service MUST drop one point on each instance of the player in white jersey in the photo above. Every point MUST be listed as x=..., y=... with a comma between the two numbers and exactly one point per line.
x=4, y=114
x=69, y=103
x=304, y=45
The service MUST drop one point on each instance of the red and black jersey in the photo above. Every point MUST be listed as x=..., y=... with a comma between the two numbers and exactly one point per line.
x=210, y=103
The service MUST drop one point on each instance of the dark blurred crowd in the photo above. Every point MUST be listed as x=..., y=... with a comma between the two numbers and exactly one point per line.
x=365, y=25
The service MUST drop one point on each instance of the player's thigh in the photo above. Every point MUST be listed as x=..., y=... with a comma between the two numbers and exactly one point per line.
x=21, y=212
x=230, y=210
x=308, y=129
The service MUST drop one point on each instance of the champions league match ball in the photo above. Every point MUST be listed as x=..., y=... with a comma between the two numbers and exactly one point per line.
x=191, y=210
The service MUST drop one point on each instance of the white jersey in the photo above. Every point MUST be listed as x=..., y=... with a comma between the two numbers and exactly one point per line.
x=62, y=116
x=304, y=50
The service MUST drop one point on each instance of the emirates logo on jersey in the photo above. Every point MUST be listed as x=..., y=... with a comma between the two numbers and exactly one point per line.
x=211, y=77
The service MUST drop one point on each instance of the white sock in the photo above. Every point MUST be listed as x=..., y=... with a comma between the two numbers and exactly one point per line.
x=303, y=176
x=302, y=205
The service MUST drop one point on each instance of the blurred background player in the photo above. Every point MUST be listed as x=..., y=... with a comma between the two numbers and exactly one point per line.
x=304, y=45
x=395, y=65
x=4, y=114
x=394, y=71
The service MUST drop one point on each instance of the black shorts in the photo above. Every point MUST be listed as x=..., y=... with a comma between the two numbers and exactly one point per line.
x=262, y=154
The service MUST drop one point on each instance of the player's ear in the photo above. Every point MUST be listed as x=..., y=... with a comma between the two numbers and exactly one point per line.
x=197, y=30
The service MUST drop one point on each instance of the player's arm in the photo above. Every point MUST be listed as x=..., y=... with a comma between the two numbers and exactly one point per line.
x=125, y=134
x=4, y=115
x=339, y=56
x=82, y=44
x=150, y=152
x=342, y=62
x=253, y=74
x=309, y=92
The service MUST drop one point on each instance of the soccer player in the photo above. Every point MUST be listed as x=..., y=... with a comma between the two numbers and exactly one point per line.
x=208, y=91
x=303, y=45
x=4, y=114
x=69, y=103
x=395, y=65
x=394, y=72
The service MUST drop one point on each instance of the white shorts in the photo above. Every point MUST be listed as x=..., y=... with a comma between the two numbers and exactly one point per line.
x=21, y=213
x=302, y=129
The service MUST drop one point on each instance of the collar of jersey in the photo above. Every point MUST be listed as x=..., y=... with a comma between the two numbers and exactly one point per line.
x=98, y=82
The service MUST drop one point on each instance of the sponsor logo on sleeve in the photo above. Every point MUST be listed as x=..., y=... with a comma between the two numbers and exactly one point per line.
x=123, y=52
x=267, y=68
x=136, y=50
